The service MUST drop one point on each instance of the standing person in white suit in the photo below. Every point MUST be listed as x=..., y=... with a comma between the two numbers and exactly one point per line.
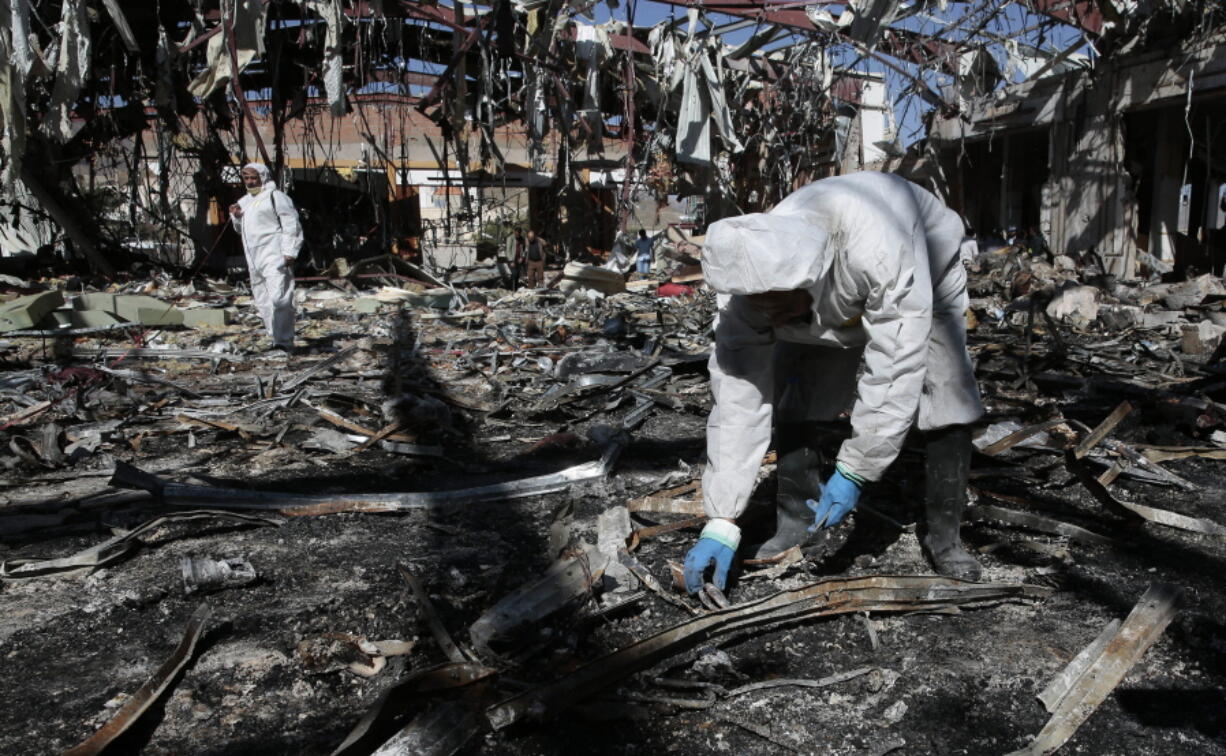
x=862, y=267
x=268, y=222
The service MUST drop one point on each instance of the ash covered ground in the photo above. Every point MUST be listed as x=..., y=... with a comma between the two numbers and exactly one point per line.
x=270, y=676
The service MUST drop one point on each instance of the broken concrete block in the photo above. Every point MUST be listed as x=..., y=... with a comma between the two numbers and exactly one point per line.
x=366, y=305
x=93, y=318
x=24, y=312
x=159, y=316
x=76, y=319
x=54, y=321
x=94, y=300
x=576, y=275
x=1151, y=294
x=1201, y=338
x=1160, y=318
x=1064, y=262
x=1120, y=317
x=1043, y=272
x=1192, y=292
x=202, y=316
x=1076, y=305
x=129, y=306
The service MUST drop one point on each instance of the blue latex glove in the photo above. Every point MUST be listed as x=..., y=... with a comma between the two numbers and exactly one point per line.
x=839, y=496
x=707, y=550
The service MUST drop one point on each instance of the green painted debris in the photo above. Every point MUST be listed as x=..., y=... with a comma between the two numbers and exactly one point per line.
x=128, y=307
x=94, y=300
x=76, y=319
x=55, y=321
x=366, y=305
x=23, y=313
x=93, y=318
x=208, y=317
x=163, y=315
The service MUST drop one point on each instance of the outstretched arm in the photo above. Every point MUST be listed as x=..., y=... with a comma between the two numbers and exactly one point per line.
x=739, y=426
x=897, y=320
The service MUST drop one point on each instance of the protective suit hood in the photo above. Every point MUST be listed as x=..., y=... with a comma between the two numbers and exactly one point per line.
x=761, y=252
x=262, y=170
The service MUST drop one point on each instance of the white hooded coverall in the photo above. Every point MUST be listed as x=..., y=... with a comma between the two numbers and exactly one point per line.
x=271, y=232
x=879, y=255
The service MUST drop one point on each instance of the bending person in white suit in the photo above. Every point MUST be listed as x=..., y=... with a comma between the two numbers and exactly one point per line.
x=268, y=222
x=850, y=268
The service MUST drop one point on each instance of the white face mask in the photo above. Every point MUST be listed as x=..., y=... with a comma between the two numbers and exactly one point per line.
x=254, y=190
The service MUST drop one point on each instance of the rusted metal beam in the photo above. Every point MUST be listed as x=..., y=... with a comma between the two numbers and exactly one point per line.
x=624, y=208
x=619, y=41
x=783, y=14
x=1083, y=14
x=461, y=51
x=436, y=14
x=148, y=693
x=232, y=45
x=1089, y=679
x=441, y=637
x=895, y=43
x=913, y=47
x=410, y=78
x=211, y=15
x=179, y=494
x=1095, y=437
x=420, y=683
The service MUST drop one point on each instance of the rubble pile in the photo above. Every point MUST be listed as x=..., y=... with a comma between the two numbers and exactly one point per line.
x=451, y=521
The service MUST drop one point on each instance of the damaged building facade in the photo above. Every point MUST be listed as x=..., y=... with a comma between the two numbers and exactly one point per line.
x=1116, y=160
x=407, y=124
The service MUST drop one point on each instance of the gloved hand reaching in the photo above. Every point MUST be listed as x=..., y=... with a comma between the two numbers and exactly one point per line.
x=718, y=544
x=839, y=496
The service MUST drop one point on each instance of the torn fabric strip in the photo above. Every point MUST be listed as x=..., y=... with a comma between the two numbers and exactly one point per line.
x=248, y=18
x=71, y=68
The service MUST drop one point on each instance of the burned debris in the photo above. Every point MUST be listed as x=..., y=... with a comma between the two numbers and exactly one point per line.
x=232, y=478
x=361, y=361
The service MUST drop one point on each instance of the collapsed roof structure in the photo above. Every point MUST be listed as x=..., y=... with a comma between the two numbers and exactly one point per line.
x=122, y=121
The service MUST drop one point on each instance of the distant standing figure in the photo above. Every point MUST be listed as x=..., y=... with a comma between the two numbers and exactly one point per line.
x=534, y=254
x=268, y=222
x=643, y=245
x=515, y=253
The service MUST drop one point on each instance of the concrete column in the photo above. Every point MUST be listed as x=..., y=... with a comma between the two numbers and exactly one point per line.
x=852, y=158
x=1169, y=154
x=1006, y=182
x=1051, y=212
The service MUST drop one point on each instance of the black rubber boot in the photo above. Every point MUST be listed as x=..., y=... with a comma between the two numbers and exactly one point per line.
x=799, y=477
x=949, y=467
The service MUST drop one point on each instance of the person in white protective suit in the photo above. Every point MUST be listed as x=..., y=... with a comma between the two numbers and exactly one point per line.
x=862, y=267
x=268, y=222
